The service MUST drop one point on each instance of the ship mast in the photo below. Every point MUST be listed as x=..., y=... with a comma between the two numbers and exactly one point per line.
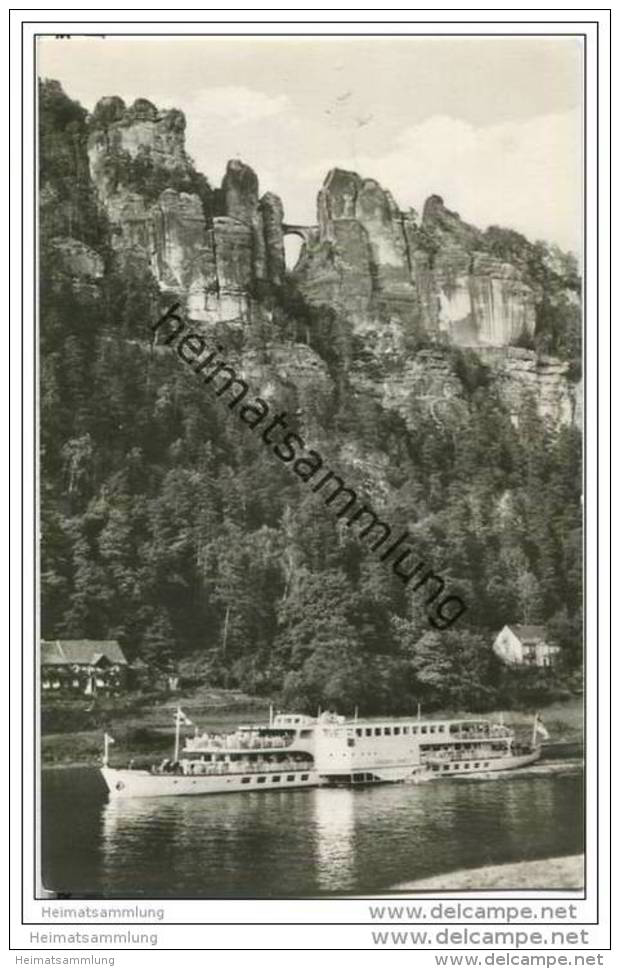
x=107, y=740
x=177, y=733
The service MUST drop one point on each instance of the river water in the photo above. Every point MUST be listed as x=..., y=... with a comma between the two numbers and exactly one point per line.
x=313, y=842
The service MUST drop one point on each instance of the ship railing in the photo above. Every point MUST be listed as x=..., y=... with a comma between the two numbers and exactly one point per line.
x=199, y=769
x=522, y=748
x=447, y=755
x=494, y=733
x=445, y=742
x=237, y=742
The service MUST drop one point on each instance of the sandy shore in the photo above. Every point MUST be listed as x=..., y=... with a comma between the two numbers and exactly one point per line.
x=549, y=874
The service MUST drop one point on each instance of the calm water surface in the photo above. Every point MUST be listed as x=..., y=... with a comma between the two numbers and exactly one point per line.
x=296, y=843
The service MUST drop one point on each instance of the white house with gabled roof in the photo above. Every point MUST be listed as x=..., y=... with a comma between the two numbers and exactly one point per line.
x=525, y=645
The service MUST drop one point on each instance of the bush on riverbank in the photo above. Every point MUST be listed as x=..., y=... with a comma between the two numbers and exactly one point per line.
x=74, y=714
x=153, y=710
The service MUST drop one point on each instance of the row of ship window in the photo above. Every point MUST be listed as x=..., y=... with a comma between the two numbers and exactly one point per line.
x=245, y=780
x=397, y=731
x=465, y=766
x=275, y=779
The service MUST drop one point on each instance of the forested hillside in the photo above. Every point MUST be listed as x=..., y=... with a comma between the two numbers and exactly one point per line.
x=166, y=525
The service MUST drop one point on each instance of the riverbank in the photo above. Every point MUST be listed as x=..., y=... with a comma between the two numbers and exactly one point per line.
x=549, y=874
x=143, y=726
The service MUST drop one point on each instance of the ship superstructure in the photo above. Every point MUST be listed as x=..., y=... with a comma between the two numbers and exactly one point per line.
x=371, y=751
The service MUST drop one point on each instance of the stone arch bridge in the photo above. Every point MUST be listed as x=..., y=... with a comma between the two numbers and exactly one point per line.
x=305, y=232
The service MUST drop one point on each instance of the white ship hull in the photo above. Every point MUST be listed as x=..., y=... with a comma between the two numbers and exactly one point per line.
x=511, y=762
x=142, y=783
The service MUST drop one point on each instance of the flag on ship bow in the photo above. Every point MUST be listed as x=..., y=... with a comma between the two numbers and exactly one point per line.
x=183, y=718
x=539, y=728
x=107, y=740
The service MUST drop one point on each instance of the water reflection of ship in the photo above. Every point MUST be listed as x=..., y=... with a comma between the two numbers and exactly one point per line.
x=172, y=825
x=175, y=835
x=334, y=829
x=145, y=836
x=162, y=820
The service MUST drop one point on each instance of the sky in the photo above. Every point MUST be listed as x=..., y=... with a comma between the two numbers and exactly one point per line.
x=492, y=124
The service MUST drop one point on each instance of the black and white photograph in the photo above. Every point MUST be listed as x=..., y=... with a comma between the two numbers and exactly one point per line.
x=310, y=411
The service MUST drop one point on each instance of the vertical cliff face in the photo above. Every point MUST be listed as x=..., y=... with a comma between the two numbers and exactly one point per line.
x=482, y=300
x=546, y=380
x=357, y=259
x=210, y=248
x=435, y=274
x=428, y=378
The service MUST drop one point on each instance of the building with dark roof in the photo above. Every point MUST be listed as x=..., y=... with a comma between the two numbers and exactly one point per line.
x=83, y=665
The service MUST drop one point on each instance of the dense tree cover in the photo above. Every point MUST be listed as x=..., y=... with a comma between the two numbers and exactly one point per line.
x=150, y=180
x=166, y=523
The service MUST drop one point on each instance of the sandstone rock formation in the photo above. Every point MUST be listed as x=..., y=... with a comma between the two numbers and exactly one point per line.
x=545, y=379
x=210, y=248
x=370, y=257
x=427, y=380
x=394, y=276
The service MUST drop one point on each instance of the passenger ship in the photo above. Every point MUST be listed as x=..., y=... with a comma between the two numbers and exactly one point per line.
x=293, y=751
